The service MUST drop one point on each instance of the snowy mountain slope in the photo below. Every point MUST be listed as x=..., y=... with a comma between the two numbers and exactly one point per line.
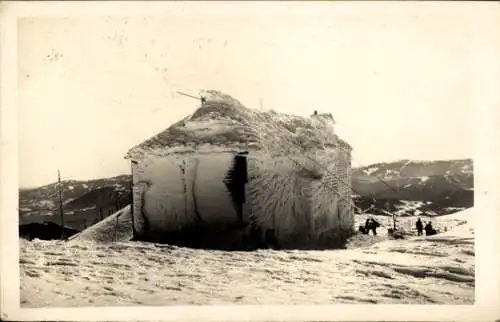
x=424, y=270
x=416, y=169
x=414, y=180
x=441, y=186
x=46, y=197
x=81, y=200
x=383, y=207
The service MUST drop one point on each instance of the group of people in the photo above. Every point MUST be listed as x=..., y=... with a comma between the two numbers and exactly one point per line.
x=429, y=230
x=370, y=225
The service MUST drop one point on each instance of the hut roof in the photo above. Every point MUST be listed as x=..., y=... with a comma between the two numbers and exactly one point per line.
x=222, y=123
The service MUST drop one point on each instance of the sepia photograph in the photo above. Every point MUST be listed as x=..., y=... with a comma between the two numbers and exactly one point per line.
x=246, y=154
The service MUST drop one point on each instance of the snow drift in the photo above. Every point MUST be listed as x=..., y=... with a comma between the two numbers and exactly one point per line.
x=275, y=177
x=114, y=228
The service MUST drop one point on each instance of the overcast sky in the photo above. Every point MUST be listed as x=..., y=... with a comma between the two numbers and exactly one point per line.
x=397, y=83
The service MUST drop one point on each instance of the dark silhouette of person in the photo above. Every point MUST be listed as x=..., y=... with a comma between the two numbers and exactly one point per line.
x=315, y=112
x=420, y=227
x=368, y=225
x=374, y=225
x=203, y=100
x=371, y=224
x=429, y=230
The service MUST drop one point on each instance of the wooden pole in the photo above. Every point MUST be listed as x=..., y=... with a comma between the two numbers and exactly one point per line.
x=184, y=185
x=61, y=212
x=134, y=233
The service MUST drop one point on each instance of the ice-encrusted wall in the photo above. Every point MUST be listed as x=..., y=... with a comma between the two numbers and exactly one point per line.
x=176, y=191
x=300, y=204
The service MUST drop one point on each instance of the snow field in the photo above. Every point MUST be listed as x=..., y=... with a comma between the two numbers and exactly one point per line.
x=437, y=269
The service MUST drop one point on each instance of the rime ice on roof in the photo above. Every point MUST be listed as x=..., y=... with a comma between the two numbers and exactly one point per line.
x=223, y=123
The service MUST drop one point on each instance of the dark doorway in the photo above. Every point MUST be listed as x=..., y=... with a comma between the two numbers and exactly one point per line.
x=235, y=181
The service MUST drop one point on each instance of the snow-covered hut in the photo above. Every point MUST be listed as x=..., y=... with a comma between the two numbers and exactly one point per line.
x=230, y=177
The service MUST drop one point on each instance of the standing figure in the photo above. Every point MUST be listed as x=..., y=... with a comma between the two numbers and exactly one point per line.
x=420, y=227
x=429, y=230
x=374, y=225
x=368, y=225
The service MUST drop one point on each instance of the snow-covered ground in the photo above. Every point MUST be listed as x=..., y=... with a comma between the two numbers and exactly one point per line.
x=407, y=223
x=435, y=269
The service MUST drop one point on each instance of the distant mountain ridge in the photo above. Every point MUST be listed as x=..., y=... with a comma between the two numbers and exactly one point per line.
x=405, y=186
x=415, y=180
x=46, y=197
x=83, y=201
x=441, y=187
